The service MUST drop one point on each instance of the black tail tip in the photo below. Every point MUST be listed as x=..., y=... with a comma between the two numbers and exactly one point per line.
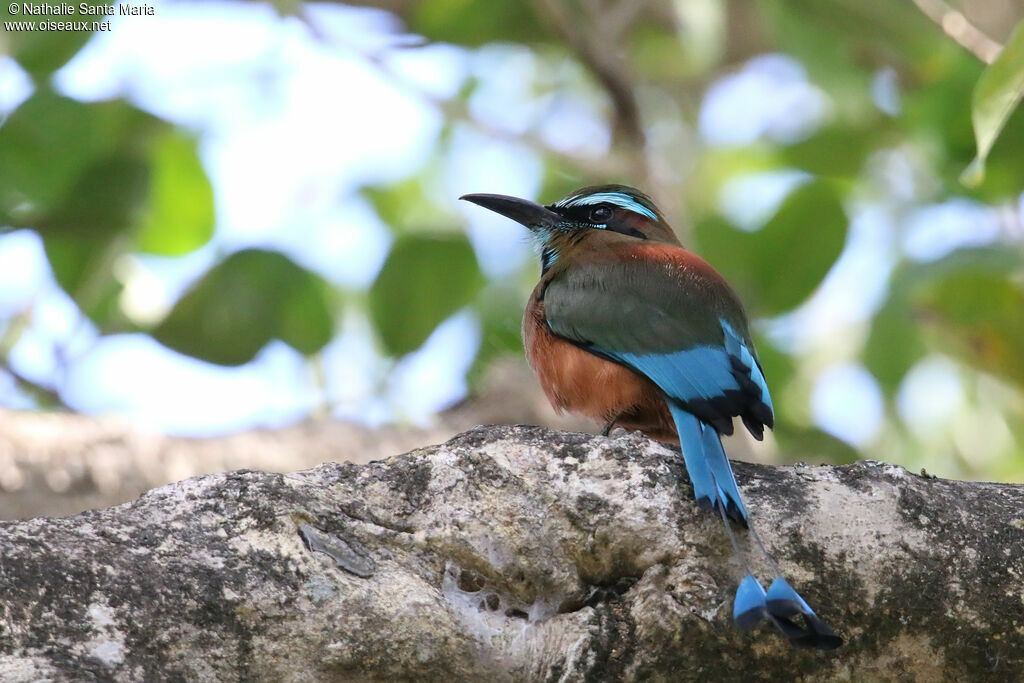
x=816, y=635
x=784, y=607
x=813, y=635
x=729, y=508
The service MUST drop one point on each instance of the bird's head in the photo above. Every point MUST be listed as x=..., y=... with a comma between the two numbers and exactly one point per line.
x=610, y=208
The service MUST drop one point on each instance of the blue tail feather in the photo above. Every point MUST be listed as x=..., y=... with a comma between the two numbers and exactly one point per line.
x=721, y=470
x=709, y=469
x=780, y=605
x=714, y=487
x=749, y=608
x=783, y=600
x=691, y=443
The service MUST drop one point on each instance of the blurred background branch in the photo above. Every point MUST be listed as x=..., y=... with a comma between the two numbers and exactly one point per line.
x=596, y=31
x=956, y=26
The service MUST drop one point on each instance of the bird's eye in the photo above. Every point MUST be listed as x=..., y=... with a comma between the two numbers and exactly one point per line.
x=600, y=214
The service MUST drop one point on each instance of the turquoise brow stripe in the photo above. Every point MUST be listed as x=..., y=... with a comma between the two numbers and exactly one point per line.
x=616, y=198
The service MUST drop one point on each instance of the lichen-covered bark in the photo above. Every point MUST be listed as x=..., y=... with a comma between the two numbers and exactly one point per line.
x=514, y=553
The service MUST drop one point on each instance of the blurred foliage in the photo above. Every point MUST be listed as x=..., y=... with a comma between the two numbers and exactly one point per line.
x=242, y=303
x=997, y=94
x=474, y=23
x=425, y=279
x=750, y=260
x=102, y=180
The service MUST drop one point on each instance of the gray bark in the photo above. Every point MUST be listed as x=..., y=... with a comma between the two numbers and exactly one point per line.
x=514, y=553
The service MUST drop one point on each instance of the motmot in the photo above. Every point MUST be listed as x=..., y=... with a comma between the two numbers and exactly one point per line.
x=629, y=328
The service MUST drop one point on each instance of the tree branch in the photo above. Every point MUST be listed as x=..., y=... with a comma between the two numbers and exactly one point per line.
x=44, y=396
x=955, y=25
x=513, y=553
x=598, y=43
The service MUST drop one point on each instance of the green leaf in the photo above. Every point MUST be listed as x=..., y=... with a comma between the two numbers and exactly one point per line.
x=248, y=299
x=288, y=8
x=83, y=266
x=979, y=316
x=40, y=53
x=838, y=150
x=180, y=214
x=659, y=54
x=411, y=205
x=996, y=95
x=400, y=204
x=716, y=166
x=779, y=266
x=96, y=181
x=84, y=234
x=44, y=146
x=936, y=121
x=842, y=43
x=107, y=198
x=50, y=141
x=425, y=279
x=961, y=304
x=1004, y=174
x=476, y=22
x=893, y=346
x=825, y=51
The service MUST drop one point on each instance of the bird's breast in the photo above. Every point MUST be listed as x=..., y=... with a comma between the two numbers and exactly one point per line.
x=580, y=382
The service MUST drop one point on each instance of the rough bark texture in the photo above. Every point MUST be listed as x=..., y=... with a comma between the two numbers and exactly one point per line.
x=513, y=553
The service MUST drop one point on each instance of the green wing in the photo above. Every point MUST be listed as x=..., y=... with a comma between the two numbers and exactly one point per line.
x=675, y=322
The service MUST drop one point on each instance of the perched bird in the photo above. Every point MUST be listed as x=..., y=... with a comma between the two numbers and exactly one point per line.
x=629, y=328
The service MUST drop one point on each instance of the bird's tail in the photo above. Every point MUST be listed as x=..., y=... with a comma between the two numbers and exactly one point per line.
x=715, y=488
x=714, y=485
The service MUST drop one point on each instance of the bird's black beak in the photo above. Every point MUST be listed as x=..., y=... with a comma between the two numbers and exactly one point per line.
x=532, y=215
